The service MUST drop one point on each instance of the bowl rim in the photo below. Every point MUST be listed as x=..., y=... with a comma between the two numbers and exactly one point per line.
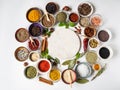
x=18, y=49
x=34, y=8
x=92, y=8
x=109, y=33
x=89, y=68
x=51, y=25
x=110, y=56
x=63, y=73
x=26, y=69
x=98, y=15
x=22, y=30
x=96, y=40
x=43, y=59
x=58, y=71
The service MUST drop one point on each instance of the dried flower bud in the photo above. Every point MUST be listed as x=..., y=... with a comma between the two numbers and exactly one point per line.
x=66, y=8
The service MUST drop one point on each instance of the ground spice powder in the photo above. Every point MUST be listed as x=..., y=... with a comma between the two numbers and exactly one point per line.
x=34, y=15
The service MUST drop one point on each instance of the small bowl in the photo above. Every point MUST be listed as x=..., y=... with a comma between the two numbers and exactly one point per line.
x=104, y=35
x=81, y=68
x=33, y=12
x=91, y=57
x=21, y=53
x=52, y=7
x=96, y=20
x=89, y=11
x=34, y=45
x=22, y=35
x=105, y=53
x=56, y=73
x=46, y=23
x=93, y=43
x=84, y=21
x=74, y=17
x=35, y=29
x=90, y=31
x=61, y=16
x=34, y=56
x=46, y=66
x=96, y=66
x=30, y=72
x=69, y=76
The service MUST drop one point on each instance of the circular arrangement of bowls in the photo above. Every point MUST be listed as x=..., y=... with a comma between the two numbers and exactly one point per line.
x=57, y=35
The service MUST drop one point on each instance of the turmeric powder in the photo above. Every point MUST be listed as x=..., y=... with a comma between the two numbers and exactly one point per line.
x=34, y=15
x=54, y=75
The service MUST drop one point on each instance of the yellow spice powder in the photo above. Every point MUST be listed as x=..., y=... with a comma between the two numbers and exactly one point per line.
x=54, y=74
x=34, y=15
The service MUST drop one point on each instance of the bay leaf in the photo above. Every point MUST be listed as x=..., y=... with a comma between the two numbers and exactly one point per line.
x=79, y=55
x=66, y=62
x=72, y=64
x=82, y=81
x=57, y=60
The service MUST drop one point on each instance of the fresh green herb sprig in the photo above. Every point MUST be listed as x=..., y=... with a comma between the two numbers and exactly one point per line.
x=47, y=32
x=67, y=24
x=72, y=63
x=45, y=54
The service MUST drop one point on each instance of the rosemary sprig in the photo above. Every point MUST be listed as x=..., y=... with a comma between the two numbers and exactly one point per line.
x=99, y=72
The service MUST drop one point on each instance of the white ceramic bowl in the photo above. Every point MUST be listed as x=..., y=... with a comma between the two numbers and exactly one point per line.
x=92, y=9
x=96, y=15
x=109, y=33
x=109, y=57
x=44, y=72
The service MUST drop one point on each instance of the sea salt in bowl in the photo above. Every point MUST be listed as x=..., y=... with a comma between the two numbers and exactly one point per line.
x=83, y=70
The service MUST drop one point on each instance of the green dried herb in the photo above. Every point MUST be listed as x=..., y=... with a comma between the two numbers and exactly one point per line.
x=67, y=62
x=62, y=23
x=44, y=54
x=99, y=72
x=56, y=60
x=79, y=55
x=47, y=32
x=82, y=81
x=72, y=24
x=72, y=64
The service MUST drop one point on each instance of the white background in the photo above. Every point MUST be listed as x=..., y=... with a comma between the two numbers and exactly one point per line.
x=13, y=16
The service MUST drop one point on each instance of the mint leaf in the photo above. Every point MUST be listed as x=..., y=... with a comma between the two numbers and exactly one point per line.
x=62, y=23
x=72, y=24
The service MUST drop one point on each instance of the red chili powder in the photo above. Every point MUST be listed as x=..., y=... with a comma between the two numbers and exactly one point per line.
x=35, y=45
x=44, y=66
x=73, y=17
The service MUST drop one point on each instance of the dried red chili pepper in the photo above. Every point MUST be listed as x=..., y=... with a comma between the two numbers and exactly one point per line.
x=85, y=44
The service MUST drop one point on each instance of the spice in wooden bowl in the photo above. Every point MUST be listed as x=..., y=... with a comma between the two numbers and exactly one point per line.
x=34, y=14
x=90, y=32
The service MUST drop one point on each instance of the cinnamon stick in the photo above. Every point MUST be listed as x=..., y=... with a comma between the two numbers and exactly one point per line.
x=45, y=80
x=44, y=44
